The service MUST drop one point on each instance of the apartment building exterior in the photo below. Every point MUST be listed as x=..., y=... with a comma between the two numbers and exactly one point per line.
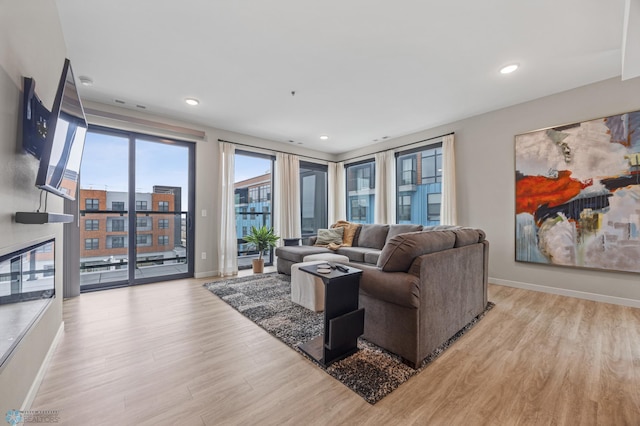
x=104, y=226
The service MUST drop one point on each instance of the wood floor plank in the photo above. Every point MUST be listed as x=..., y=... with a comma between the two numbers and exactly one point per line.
x=172, y=353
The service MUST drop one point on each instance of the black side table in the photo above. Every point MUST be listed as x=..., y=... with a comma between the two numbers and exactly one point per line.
x=343, y=321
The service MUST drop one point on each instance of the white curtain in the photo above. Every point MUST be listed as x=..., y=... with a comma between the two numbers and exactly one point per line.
x=385, y=203
x=227, y=244
x=286, y=197
x=448, y=210
x=337, y=195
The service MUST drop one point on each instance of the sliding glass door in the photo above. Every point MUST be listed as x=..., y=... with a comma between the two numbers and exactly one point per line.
x=136, y=204
x=252, y=190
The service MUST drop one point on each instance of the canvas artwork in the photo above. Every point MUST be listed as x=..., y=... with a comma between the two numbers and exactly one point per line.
x=578, y=194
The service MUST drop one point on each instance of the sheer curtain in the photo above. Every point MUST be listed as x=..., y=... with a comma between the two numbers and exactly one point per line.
x=385, y=203
x=337, y=195
x=286, y=197
x=448, y=210
x=227, y=244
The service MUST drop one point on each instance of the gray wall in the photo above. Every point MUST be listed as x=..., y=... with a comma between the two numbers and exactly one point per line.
x=485, y=168
x=32, y=47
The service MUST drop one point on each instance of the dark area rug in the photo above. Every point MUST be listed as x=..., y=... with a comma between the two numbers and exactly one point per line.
x=265, y=299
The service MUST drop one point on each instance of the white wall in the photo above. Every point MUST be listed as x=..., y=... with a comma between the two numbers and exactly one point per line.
x=32, y=45
x=485, y=167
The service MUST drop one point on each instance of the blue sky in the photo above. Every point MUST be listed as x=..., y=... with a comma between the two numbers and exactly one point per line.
x=105, y=163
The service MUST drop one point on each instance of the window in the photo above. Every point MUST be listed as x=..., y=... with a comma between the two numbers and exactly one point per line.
x=361, y=176
x=91, y=225
x=360, y=191
x=163, y=206
x=419, y=185
x=265, y=193
x=91, y=244
x=433, y=209
x=404, y=208
x=117, y=242
x=163, y=223
x=407, y=171
x=143, y=240
x=163, y=240
x=432, y=165
x=241, y=195
x=142, y=222
x=253, y=194
x=141, y=205
x=359, y=209
x=117, y=205
x=117, y=225
x=91, y=204
x=313, y=197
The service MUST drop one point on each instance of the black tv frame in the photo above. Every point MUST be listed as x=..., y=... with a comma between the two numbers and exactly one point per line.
x=54, y=118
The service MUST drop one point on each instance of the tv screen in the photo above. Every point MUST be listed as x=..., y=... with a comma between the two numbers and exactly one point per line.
x=62, y=150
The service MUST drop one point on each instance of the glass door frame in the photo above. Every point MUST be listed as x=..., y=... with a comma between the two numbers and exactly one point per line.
x=132, y=137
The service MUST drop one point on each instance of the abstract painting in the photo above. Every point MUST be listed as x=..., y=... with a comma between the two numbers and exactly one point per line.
x=578, y=194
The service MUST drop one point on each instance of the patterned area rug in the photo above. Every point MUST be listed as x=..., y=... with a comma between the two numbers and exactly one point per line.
x=265, y=299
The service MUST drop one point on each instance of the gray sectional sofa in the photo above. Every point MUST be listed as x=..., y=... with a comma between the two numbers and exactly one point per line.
x=367, y=246
x=419, y=286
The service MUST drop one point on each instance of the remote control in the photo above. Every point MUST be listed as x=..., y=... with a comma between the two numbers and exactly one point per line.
x=342, y=268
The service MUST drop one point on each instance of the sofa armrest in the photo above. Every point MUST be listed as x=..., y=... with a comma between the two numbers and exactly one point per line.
x=452, y=290
x=399, y=288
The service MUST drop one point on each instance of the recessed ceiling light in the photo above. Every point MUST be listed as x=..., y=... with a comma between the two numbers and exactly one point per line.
x=192, y=101
x=85, y=81
x=508, y=69
x=324, y=137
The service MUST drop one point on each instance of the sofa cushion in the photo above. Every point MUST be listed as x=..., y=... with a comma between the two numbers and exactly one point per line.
x=350, y=230
x=297, y=253
x=398, y=254
x=373, y=236
x=355, y=254
x=372, y=256
x=329, y=236
x=402, y=229
x=467, y=236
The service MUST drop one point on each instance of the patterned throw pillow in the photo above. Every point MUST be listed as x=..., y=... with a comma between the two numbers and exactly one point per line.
x=328, y=236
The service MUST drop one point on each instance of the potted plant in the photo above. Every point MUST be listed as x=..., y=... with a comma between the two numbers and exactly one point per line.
x=262, y=238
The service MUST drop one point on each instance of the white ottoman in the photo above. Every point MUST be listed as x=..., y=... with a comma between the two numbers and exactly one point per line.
x=329, y=257
x=307, y=290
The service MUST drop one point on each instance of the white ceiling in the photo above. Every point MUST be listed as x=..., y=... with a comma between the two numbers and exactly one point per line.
x=361, y=69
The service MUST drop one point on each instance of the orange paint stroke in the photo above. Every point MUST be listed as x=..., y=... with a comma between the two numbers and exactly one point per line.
x=535, y=191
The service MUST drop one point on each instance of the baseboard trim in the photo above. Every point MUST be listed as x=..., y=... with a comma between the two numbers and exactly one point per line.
x=206, y=274
x=37, y=381
x=570, y=293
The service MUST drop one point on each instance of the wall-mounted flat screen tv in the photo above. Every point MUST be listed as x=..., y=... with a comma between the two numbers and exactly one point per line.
x=64, y=142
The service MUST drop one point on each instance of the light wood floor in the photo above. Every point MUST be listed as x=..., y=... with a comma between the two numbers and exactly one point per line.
x=172, y=353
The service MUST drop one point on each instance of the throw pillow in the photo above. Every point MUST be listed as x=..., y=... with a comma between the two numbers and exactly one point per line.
x=328, y=236
x=349, y=231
